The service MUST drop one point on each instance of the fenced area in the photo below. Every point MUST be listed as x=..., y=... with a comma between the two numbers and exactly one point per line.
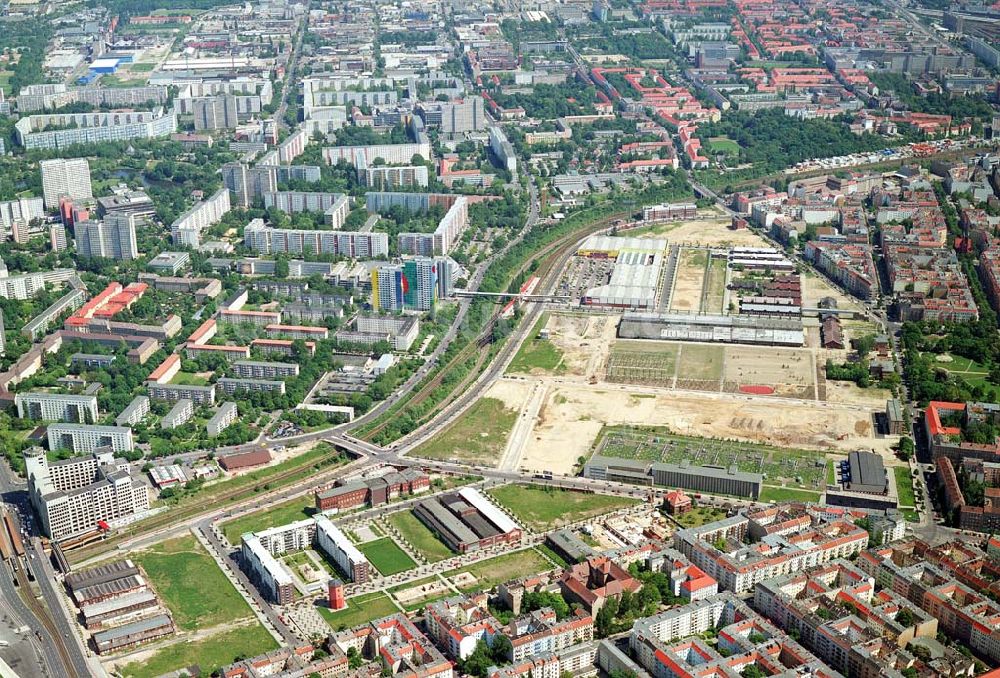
x=805, y=469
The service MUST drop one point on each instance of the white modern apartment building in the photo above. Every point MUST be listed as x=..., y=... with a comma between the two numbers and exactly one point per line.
x=76, y=495
x=335, y=206
x=66, y=407
x=89, y=438
x=112, y=238
x=70, y=178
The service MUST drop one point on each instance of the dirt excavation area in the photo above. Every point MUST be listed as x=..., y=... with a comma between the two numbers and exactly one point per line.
x=583, y=340
x=573, y=413
x=710, y=229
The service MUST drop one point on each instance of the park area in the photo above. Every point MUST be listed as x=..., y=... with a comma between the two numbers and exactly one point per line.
x=805, y=469
x=976, y=374
x=723, y=145
x=548, y=508
x=478, y=437
x=386, y=556
x=419, y=536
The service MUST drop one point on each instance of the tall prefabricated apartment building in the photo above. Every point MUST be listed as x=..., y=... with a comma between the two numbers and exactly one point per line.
x=73, y=495
x=268, y=240
x=412, y=285
x=41, y=405
x=89, y=438
x=70, y=178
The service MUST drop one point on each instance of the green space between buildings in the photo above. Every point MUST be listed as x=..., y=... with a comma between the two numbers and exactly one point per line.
x=545, y=508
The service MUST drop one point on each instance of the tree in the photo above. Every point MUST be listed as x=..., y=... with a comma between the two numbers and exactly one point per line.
x=753, y=671
x=605, y=622
x=905, y=617
x=906, y=448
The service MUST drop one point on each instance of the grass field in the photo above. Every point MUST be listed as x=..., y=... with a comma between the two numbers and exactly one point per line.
x=386, y=556
x=642, y=362
x=419, y=536
x=904, y=486
x=723, y=145
x=141, y=68
x=805, y=468
x=209, y=653
x=191, y=584
x=489, y=573
x=281, y=514
x=478, y=437
x=702, y=515
x=831, y=473
x=715, y=286
x=700, y=361
x=537, y=354
x=768, y=493
x=188, y=379
x=547, y=508
x=360, y=609
x=971, y=371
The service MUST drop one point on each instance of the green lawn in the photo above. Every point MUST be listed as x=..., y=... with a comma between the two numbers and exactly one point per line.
x=702, y=515
x=904, y=486
x=489, y=573
x=191, y=585
x=210, y=653
x=141, y=68
x=359, y=610
x=544, y=508
x=910, y=515
x=419, y=536
x=281, y=514
x=537, y=354
x=188, y=379
x=971, y=371
x=723, y=145
x=477, y=437
x=386, y=556
x=768, y=493
x=552, y=555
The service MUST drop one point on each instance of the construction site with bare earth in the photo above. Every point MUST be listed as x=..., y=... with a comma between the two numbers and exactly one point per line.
x=678, y=342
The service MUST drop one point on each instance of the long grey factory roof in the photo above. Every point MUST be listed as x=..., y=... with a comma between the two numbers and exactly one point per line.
x=448, y=520
x=140, y=626
x=101, y=574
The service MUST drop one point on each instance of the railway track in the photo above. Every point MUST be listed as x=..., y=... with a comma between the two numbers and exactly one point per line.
x=39, y=612
x=553, y=256
x=201, y=506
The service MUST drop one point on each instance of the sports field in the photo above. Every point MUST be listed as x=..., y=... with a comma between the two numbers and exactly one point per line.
x=191, y=585
x=546, y=508
x=723, y=145
x=804, y=468
x=419, y=536
x=477, y=437
x=386, y=556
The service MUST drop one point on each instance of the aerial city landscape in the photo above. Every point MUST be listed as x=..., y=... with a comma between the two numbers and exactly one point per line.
x=536, y=339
